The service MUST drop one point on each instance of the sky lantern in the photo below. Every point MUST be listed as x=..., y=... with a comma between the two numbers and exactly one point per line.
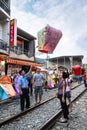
x=48, y=38
x=6, y=88
x=77, y=70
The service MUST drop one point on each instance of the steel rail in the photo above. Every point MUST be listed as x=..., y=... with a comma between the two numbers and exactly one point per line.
x=24, y=112
x=47, y=125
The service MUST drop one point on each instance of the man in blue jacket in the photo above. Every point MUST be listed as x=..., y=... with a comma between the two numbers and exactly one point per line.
x=24, y=90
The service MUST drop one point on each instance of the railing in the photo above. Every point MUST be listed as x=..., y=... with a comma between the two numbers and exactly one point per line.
x=3, y=45
x=4, y=6
x=18, y=50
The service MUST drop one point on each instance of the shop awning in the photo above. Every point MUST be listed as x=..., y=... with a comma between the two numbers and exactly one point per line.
x=20, y=62
x=2, y=56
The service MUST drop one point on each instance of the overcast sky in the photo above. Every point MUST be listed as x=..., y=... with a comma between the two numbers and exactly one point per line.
x=70, y=16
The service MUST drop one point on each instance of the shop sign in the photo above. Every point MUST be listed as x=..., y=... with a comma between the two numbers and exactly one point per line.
x=13, y=32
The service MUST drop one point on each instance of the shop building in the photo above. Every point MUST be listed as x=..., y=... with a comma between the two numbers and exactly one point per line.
x=4, y=32
x=4, y=23
x=23, y=51
x=19, y=54
x=25, y=45
x=14, y=65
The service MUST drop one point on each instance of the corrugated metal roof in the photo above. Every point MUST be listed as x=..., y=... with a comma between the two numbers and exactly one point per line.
x=25, y=34
x=74, y=56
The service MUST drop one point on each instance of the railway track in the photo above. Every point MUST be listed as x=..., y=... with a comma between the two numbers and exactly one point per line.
x=12, y=107
x=38, y=107
x=12, y=99
x=47, y=125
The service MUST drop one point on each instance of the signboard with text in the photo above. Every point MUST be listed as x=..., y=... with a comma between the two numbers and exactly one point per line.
x=13, y=32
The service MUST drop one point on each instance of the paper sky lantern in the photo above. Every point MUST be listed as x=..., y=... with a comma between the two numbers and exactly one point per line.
x=6, y=88
x=48, y=38
x=77, y=70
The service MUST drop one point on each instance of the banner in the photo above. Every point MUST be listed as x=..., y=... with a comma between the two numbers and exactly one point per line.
x=5, y=80
x=13, y=32
x=8, y=89
x=48, y=39
x=3, y=94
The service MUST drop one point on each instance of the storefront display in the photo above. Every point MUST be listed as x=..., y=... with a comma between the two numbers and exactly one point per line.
x=2, y=64
x=2, y=67
x=13, y=69
x=15, y=65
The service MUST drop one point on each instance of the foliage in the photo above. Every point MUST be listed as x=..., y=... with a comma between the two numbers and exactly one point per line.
x=74, y=78
x=83, y=71
x=55, y=79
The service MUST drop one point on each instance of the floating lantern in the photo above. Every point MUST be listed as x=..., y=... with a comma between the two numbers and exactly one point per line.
x=48, y=39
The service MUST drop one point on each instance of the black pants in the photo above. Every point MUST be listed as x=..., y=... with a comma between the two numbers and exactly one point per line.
x=24, y=97
x=64, y=107
x=85, y=83
x=31, y=90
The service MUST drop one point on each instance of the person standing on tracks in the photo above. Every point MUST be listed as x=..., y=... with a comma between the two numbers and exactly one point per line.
x=24, y=90
x=84, y=78
x=68, y=91
x=62, y=96
x=16, y=84
x=37, y=81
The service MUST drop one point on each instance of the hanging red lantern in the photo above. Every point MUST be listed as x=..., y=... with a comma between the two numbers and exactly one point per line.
x=77, y=70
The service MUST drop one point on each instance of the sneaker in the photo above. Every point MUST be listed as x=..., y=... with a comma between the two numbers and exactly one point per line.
x=63, y=120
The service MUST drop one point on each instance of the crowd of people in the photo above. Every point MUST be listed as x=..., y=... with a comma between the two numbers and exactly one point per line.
x=25, y=83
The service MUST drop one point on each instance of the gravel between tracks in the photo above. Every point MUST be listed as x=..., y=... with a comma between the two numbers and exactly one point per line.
x=9, y=109
x=78, y=117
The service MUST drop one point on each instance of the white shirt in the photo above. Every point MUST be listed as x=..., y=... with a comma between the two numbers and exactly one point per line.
x=67, y=86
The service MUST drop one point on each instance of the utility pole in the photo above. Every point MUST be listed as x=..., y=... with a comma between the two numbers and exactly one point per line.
x=71, y=62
